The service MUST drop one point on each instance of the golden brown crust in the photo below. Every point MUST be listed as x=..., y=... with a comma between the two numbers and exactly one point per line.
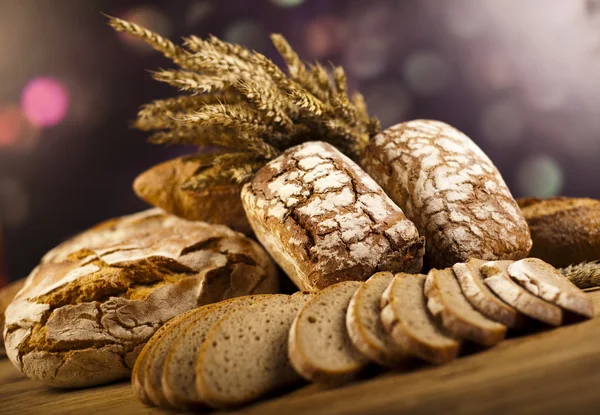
x=87, y=309
x=221, y=204
x=7, y=293
x=564, y=230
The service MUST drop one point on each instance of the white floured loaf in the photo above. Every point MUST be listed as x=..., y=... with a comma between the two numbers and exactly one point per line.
x=86, y=311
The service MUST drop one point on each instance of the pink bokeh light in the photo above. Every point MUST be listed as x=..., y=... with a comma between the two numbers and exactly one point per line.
x=45, y=101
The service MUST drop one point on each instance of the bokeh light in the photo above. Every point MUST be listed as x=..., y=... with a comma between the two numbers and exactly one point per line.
x=14, y=202
x=150, y=18
x=45, y=101
x=426, y=72
x=540, y=176
x=324, y=36
x=248, y=33
x=16, y=131
x=502, y=123
x=287, y=3
x=197, y=12
x=366, y=57
x=388, y=101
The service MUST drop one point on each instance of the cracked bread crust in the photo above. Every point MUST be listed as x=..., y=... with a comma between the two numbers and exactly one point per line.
x=324, y=220
x=161, y=186
x=6, y=295
x=87, y=310
x=451, y=190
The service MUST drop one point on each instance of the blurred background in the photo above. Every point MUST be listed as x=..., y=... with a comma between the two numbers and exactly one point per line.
x=521, y=78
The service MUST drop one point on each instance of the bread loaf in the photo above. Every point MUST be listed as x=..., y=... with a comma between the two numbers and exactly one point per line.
x=161, y=186
x=564, y=230
x=324, y=220
x=6, y=295
x=498, y=280
x=87, y=309
x=319, y=346
x=451, y=190
x=405, y=317
x=446, y=301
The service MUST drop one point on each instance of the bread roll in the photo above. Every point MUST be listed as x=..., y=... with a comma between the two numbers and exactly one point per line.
x=324, y=220
x=221, y=204
x=451, y=190
x=88, y=308
x=564, y=230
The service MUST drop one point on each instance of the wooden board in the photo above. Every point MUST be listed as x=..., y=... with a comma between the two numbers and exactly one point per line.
x=552, y=372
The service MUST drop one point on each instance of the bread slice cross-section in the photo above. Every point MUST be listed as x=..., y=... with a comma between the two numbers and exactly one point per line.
x=446, y=301
x=405, y=316
x=545, y=281
x=245, y=354
x=319, y=346
x=482, y=298
x=178, y=374
x=363, y=321
x=497, y=278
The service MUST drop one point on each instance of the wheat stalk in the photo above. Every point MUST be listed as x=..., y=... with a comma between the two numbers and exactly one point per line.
x=583, y=275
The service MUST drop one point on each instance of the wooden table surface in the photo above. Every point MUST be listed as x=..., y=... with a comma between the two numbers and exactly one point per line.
x=550, y=372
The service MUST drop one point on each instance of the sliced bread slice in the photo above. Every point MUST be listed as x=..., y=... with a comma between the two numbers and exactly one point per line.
x=545, y=281
x=497, y=278
x=363, y=322
x=405, y=317
x=446, y=301
x=482, y=298
x=245, y=354
x=178, y=377
x=319, y=346
x=138, y=374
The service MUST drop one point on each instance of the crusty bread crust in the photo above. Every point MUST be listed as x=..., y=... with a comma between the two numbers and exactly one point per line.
x=305, y=365
x=564, y=230
x=405, y=337
x=220, y=204
x=324, y=220
x=451, y=190
x=373, y=342
x=7, y=293
x=87, y=309
x=498, y=280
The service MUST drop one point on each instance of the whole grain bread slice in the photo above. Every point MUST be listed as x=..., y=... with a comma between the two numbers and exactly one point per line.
x=138, y=375
x=446, y=301
x=405, y=317
x=245, y=354
x=363, y=321
x=319, y=346
x=178, y=374
x=497, y=278
x=545, y=281
x=482, y=298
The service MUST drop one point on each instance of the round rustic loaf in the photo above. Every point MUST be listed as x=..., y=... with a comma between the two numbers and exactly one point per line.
x=86, y=311
x=221, y=204
x=564, y=230
x=451, y=190
x=324, y=220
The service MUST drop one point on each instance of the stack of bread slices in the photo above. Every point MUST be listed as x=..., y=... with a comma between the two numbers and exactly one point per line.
x=233, y=352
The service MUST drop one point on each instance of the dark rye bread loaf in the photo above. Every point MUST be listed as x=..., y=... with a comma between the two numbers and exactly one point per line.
x=324, y=220
x=564, y=230
x=7, y=293
x=451, y=190
x=221, y=204
x=87, y=309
